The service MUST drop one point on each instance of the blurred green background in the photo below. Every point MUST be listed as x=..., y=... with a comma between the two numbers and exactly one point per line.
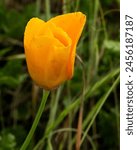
x=98, y=50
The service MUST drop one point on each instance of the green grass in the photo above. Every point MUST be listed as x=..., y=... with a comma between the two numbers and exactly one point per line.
x=94, y=87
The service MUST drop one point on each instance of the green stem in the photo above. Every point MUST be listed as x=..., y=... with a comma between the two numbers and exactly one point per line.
x=47, y=9
x=36, y=121
x=38, y=3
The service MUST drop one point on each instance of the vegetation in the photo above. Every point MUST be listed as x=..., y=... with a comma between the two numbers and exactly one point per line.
x=94, y=89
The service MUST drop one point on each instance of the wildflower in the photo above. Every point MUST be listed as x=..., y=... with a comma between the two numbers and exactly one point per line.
x=50, y=48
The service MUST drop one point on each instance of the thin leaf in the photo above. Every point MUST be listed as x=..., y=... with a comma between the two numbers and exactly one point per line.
x=92, y=115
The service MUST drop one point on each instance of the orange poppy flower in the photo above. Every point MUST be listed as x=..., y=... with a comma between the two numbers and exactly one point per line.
x=50, y=48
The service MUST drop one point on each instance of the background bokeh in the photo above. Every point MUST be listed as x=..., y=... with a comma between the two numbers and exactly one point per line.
x=98, y=53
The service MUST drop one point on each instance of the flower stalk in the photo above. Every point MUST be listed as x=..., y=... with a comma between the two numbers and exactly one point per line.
x=36, y=121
